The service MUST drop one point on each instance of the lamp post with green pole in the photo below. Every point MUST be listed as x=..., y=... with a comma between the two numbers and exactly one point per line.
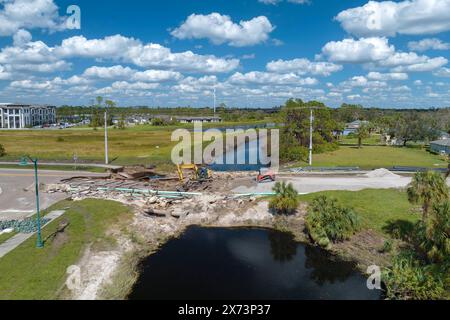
x=24, y=162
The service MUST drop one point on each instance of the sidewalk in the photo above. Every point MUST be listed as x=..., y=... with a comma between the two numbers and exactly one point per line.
x=20, y=238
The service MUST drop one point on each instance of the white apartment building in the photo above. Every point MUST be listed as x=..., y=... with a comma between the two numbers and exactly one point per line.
x=20, y=116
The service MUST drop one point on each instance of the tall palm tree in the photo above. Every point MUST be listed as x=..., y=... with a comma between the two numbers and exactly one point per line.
x=448, y=170
x=427, y=188
x=286, y=201
x=362, y=133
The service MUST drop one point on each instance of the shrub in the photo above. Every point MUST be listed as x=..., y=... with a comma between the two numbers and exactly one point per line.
x=60, y=139
x=327, y=221
x=286, y=201
x=291, y=153
x=432, y=237
x=408, y=279
x=2, y=151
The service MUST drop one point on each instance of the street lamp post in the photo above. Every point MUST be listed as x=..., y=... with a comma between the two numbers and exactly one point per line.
x=106, y=136
x=311, y=139
x=214, y=101
x=24, y=162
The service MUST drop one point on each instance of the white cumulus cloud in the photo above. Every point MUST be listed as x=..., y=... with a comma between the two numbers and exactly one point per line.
x=388, y=18
x=358, y=51
x=29, y=14
x=152, y=55
x=257, y=77
x=428, y=44
x=303, y=66
x=376, y=52
x=220, y=29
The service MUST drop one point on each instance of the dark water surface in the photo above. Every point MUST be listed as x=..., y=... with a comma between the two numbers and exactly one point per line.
x=246, y=263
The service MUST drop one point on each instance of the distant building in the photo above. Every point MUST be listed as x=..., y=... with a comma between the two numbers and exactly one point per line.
x=20, y=116
x=441, y=146
x=199, y=119
x=443, y=135
x=354, y=126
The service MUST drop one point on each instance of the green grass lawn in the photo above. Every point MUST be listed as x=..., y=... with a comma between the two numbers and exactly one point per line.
x=6, y=236
x=373, y=140
x=370, y=157
x=31, y=273
x=380, y=210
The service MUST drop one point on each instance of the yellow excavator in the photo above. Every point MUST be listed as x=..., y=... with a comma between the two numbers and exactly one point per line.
x=199, y=173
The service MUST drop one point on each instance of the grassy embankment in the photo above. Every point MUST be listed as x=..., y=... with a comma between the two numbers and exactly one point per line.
x=380, y=210
x=31, y=273
x=6, y=236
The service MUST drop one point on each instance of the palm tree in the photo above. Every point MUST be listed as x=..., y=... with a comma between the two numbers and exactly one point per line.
x=362, y=133
x=427, y=188
x=448, y=170
x=286, y=201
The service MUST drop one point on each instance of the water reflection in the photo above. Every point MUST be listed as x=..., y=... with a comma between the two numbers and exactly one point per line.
x=325, y=268
x=282, y=246
x=246, y=264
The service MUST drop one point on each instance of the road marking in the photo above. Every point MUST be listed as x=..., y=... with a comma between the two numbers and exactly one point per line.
x=16, y=211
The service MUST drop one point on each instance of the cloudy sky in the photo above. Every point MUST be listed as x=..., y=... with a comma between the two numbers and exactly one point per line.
x=256, y=53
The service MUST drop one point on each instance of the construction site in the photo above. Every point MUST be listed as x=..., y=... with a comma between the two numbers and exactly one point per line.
x=165, y=205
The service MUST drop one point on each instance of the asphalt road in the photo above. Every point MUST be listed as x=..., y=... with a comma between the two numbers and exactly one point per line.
x=305, y=184
x=17, y=191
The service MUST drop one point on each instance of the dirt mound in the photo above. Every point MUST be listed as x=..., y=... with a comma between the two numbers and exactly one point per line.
x=381, y=173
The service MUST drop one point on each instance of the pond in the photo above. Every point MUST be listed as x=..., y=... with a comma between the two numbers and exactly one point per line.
x=237, y=264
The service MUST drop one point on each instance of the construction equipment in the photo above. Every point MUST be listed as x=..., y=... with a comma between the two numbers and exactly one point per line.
x=266, y=175
x=199, y=173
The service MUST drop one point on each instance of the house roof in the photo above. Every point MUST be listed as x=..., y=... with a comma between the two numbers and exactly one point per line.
x=443, y=142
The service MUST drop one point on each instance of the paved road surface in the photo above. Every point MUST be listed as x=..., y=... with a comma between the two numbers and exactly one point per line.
x=305, y=184
x=17, y=195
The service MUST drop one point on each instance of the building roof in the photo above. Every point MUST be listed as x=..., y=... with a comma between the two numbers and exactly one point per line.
x=28, y=105
x=443, y=142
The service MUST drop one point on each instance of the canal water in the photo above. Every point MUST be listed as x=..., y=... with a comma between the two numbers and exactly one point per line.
x=219, y=263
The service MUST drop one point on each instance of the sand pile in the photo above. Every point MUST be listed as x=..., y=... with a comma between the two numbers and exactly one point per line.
x=381, y=173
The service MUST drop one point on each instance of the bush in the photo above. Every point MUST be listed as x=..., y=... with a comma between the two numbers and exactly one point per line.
x=2, y=151
x=327, y=221
x=286, y=201
x=408, y=279
x=432, y=238
x=290, y=153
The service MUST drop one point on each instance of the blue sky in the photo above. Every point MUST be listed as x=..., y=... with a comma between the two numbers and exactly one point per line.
x=256, y=53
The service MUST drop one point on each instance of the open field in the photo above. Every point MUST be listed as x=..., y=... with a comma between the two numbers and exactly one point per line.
x=137, y=145
x=152, y=145
x=31, y=273
x=380, y=210
x=125, y=146
x=371, y=157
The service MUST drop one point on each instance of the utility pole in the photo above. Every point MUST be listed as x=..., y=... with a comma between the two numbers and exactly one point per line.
x=311, y=139
x=214, y=101
x=106, y=136
x=24, y=162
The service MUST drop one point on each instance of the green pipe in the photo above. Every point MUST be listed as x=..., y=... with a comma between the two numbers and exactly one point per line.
x=262, y=194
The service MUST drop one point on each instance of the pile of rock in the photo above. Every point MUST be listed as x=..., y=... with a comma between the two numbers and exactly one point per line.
x=381, y=173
